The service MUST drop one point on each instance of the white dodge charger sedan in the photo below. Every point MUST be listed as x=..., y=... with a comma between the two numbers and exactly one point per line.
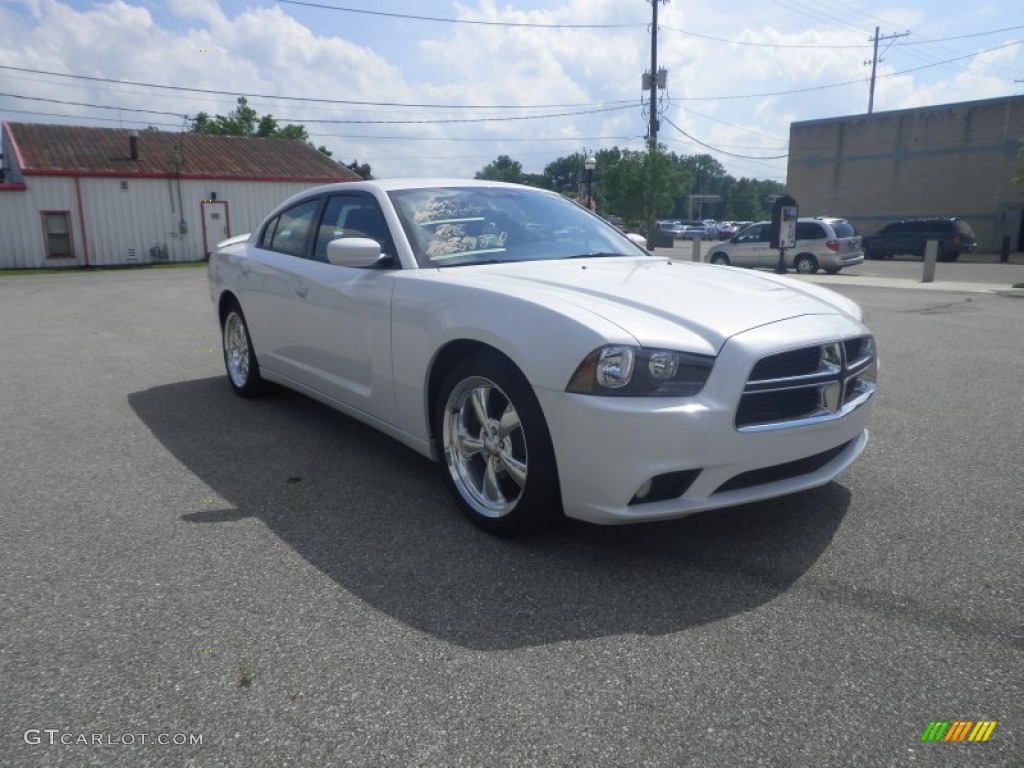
x=550, y=362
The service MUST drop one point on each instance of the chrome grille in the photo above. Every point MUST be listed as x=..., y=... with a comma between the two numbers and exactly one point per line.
x=808, y=384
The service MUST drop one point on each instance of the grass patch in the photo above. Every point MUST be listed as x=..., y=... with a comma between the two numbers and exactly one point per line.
x=111, y=268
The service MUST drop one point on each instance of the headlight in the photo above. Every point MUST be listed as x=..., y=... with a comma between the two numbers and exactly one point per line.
x=638, y=371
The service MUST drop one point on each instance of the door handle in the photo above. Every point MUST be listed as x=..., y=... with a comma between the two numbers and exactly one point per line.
x=301, y=289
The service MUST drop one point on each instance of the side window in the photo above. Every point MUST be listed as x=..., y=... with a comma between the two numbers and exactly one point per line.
x=808, y=230
x=753, y=234
x=57, y=228
x=288, y=231
x=352, y=216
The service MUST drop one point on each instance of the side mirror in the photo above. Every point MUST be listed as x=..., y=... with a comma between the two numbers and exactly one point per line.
x=638, y=239
x=354, y=252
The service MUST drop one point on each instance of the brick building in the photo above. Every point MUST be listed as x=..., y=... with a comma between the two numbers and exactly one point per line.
x=946, y=160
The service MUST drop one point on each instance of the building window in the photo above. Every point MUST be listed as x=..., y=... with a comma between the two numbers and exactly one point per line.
x=124, y=186
x=57, y=230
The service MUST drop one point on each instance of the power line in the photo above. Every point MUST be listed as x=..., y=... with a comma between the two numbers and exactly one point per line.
x=90, y=105
x=958, y=37
x=307, y=98
x=845, y=82
x=761, y=45
x=532, y=25
x=335, y=121
x=832, y=47
x=731, y=125
x=722, y=151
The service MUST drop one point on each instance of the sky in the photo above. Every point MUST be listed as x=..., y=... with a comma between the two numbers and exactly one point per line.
x=448, y=92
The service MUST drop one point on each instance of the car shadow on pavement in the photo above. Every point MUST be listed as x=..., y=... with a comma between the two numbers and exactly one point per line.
x=377, y=519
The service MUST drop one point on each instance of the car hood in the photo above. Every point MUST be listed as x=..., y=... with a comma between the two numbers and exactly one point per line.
x=653, y=298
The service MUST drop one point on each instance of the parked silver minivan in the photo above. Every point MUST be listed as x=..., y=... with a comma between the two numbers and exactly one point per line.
x=824, y=243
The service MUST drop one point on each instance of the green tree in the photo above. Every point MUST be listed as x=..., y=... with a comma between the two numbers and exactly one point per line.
x=502, y=169
x=244, y=121
x=363, y=171
x=565, y=174
x=742, y=203
x=640, y=186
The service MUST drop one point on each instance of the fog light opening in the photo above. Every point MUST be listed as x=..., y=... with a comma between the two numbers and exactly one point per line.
x=670, y=485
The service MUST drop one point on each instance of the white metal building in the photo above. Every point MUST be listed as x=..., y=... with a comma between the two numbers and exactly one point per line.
x=73, y=196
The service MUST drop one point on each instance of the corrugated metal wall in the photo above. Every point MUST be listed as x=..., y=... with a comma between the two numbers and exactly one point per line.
x=21, y=223
x=128, y=220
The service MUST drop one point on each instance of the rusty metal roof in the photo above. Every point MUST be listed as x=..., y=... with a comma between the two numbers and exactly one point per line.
x=78, y=151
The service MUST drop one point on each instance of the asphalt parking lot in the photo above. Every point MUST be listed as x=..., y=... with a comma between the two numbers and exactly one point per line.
x=291, y=588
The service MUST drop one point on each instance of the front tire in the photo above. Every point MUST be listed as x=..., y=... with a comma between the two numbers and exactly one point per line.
x=239, y=357
x=805, y=264
x=720, y=258
x=499, y=462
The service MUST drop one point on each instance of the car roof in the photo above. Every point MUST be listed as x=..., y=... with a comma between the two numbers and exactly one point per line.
x=388, y=185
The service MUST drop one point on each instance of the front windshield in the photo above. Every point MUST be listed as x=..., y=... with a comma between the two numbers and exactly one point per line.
x=458, y=226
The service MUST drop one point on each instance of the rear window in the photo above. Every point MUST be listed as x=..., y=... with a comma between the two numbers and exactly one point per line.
x=809, y=230
x=964, y=229
x=896, y=226
x=843, y=228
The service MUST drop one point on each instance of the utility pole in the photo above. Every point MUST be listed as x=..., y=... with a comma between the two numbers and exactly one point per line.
x=652, y=131
x=652, y=81
x=874, y=64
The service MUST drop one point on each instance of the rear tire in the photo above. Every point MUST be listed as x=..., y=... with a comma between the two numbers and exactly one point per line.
x=499, y=462
x=805, y=264
x=239, y=357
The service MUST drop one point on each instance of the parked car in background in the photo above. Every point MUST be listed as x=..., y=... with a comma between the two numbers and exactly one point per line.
x=674, y=228
x=825, y=242
x=727, y=229
x=909, y=237
x=693, y=229
x=545, y=361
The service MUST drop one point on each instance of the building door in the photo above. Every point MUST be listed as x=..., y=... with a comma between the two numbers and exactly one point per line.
x=215, y=225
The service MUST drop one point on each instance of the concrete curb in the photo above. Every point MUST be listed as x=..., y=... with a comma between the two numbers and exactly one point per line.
x=836, y=281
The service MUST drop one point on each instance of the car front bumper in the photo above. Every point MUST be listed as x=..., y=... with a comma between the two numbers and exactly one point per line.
x=608, y=448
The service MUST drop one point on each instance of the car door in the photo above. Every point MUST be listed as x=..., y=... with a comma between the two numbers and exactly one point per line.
x=266, y=282
x=746, y=249
x=341, y=325
x=909, y=239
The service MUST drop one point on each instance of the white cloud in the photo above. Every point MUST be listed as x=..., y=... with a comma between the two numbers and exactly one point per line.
x=259, y=47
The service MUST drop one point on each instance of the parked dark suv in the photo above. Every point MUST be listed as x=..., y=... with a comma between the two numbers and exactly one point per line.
x=955, y=236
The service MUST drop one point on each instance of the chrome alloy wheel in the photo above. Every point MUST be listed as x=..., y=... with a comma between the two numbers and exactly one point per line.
x=237, y=355
x=485, y=447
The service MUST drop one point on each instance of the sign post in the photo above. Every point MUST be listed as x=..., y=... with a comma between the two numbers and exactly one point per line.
x=782, y=234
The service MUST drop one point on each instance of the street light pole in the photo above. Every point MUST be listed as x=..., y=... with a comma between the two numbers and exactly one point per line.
x=590, y=164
